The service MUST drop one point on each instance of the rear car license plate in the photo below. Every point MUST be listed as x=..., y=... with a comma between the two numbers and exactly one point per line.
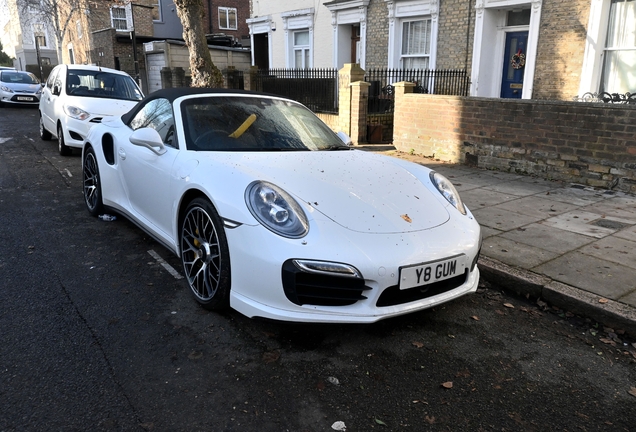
x=427, y=273
x=25, y=98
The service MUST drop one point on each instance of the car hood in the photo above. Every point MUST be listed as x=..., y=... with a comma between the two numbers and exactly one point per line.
x=359, y=190
x=18, y=87
x=101, y=106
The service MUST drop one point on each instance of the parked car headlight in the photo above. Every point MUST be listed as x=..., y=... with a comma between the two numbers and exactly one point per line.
x=446, y=188
x=276, y=209
x=76, y=113
x=7, y=89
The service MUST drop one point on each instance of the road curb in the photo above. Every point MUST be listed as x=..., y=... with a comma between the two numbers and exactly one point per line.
x=528, y=284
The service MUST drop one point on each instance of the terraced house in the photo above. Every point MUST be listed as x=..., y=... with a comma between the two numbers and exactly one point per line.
x=530, y=49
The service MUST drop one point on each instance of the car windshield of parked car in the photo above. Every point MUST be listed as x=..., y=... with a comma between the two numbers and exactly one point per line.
x=237, y=123
x=18, y=78
x=100, y=84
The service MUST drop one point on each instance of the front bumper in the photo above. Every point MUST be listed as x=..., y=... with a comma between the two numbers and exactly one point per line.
x=76, y=131
x=19, y=98
x=258, y=260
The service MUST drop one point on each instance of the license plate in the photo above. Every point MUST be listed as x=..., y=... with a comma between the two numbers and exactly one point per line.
x=25, y=98
x=428, y=273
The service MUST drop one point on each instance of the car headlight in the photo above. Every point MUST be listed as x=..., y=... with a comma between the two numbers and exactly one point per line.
x=76, y=113
x=39, y=91
x=7, y=89
x=276, y=209
x=446, y=188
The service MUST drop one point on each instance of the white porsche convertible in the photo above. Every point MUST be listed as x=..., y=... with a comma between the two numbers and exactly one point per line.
x=272, y=214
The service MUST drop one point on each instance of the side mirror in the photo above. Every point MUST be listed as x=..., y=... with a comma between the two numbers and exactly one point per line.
x=56, y=90
x=344, y=138
x=149, y=138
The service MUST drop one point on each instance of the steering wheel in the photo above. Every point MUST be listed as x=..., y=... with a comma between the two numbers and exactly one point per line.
x=213, y=139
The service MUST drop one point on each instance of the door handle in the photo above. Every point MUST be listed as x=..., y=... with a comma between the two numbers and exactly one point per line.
x=122, y=153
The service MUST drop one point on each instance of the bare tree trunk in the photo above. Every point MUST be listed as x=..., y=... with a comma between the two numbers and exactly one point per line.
x=204, y=72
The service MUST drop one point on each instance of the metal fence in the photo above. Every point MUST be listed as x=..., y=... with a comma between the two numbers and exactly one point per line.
x=615, y=98
x=315, y=88
x=442, y=82
x=233, y=79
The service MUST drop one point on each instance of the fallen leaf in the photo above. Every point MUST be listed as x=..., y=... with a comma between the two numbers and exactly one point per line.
x=339, y=426
x=603, y=300
x=632, y=391
x=333, y=380
x=475, y=317
x=447, y=385
x=418, y=344
x=195, y=355
x=508, y=305
x=406, y=218
x=429, y=420
x=607, y=341
x=271, y=356
x=380, y=422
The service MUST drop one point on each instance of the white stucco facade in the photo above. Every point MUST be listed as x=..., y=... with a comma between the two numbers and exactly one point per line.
x=287, y=25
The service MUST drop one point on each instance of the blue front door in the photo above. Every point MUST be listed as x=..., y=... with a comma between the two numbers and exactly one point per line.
x=514, y=65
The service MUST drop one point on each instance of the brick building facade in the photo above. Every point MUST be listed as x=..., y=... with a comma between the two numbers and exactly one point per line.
x=560, y=49
x=377, y=39
x=220, y=19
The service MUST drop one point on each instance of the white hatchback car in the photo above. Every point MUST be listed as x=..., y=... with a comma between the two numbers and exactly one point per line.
x=76, y=97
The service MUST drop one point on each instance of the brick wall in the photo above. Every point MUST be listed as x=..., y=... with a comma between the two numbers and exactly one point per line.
x=560, y=50
x=454, y=43
x=103, y=53
x=377, y=45
x=591, y=144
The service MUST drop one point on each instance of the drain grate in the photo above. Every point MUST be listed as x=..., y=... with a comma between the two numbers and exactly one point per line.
x=611, y=224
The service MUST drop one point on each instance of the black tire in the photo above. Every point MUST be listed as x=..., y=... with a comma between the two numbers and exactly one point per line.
x=205, y=255
x=61, y=146
x=92, y=183
x=44, y=134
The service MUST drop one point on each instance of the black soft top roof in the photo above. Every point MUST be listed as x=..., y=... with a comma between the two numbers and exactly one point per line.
x=174, y=93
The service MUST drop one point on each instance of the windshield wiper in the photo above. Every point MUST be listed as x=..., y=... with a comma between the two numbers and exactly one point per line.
x=280, y=149
x=336, y=147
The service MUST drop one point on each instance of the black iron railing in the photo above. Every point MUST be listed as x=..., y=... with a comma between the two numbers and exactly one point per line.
x=442, y=82
x=233, y=79
x=616, y=98
x=315, y=88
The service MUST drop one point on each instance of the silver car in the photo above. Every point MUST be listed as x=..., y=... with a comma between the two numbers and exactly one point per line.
x=18, y=87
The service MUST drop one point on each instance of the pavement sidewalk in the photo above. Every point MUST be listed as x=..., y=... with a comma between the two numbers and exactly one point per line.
x=570, y=245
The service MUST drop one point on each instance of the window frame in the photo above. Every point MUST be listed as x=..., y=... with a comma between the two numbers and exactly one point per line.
x=127, y=18
x=304, y=49
x=595, y=43
x=298, y=21
x=610, y=51
x=156, y=5
x=162, y=118
x=427, y=22
x=228, y=24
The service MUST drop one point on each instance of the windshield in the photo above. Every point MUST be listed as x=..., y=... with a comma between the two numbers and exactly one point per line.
x=18, y=78
x=237, y=123
x=99, y=84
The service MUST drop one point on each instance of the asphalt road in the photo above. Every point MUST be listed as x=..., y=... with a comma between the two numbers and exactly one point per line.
x=96, y=335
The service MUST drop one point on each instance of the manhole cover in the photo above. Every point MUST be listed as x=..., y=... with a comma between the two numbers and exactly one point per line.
x=611, y=224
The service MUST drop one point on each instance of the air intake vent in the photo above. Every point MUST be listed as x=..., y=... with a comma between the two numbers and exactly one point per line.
x=304, y=288
x=393, y=296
